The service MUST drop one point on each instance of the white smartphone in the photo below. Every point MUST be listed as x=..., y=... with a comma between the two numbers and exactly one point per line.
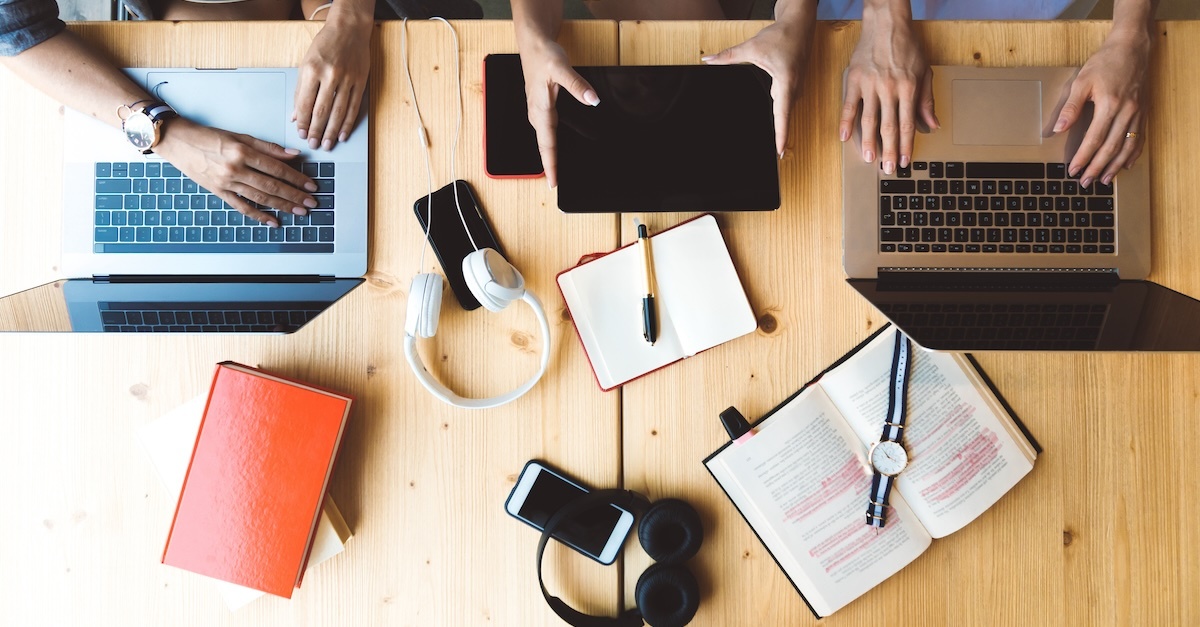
x=542, y=491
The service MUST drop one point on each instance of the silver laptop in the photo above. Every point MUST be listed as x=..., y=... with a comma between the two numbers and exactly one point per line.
x=985, y=243
x=128, y=214
x=989, y=189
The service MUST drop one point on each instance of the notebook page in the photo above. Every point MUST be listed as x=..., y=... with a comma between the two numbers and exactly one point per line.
x=605, y=299
x=699, y=286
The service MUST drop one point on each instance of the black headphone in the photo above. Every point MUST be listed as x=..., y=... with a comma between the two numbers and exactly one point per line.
x=670, y=532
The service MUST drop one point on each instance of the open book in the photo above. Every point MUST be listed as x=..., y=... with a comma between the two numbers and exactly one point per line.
x=802, y=480
x=700, y=302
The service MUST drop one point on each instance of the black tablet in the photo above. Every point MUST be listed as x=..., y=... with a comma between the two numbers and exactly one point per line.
x=669, y=138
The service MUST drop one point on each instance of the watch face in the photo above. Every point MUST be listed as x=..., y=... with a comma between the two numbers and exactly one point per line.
x=139, y=130
x=888, y=457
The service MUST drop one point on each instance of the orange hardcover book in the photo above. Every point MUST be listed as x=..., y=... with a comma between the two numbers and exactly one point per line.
x=260, y=468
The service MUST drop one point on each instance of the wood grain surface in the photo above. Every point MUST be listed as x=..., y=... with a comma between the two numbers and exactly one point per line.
x=1099, y=533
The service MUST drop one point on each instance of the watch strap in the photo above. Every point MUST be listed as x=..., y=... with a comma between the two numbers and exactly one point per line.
x=881, y=489
x=893, y=426
x=158, y=110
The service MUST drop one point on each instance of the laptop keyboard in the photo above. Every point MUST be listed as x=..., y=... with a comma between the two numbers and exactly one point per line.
x=206, y=317
x=152, y=207
x=956, y=207
x=1011, y=326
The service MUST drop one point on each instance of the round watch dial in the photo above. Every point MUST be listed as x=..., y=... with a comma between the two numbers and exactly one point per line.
x=139, y=130
x=888, y=457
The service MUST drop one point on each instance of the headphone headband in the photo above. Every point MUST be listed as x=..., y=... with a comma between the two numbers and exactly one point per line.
x=626, y=499
x=443, y=393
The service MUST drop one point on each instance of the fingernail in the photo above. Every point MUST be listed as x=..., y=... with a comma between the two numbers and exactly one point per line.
x=888, y=167
x=303, y=133
x=844, y=135
x=312, y=187
x=343, y=137
x=327, y=145
x=903, y=161
x=708, y=57
x=273, y=224
x=936, y=122
x=781, y=153
x=1060, y=125
x=1107, y=180
x=1086, y=181
x=291, y=151
x=591, y=98
x=869, y=156
x=310, y=202
x=314, y=143
x=300, y=210
x=1073, y=172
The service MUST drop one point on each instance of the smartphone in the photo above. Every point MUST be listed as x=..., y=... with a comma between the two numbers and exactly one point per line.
x=448, y=237
x=541, y=491
x=510, y=148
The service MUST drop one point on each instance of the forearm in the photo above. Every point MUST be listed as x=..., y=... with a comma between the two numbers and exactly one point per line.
x=536, y=21
x=68, y=70
x=1133, y=18
x=351, y=14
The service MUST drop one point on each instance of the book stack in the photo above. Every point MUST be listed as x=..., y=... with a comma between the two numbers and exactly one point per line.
x=251, y=501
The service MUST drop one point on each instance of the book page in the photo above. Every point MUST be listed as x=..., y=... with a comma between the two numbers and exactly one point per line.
x=962, y=455
x=802, y=483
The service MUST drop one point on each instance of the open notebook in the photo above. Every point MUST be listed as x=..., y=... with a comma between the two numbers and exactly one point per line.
x=700, y=302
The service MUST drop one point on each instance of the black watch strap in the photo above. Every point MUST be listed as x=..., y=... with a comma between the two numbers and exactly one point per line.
x=893, y=426
x=158, y=110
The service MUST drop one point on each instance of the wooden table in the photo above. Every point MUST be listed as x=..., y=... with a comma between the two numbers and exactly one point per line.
x=1099, y=533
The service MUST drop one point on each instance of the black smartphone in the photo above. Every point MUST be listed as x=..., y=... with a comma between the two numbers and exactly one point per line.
x=541, y=491
x=510, y=148
x=448, y=233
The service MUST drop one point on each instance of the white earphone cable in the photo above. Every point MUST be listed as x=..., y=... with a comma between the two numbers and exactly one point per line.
x=424, y=136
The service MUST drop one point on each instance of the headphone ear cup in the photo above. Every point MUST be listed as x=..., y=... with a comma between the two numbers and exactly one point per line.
x=491, y=279
x=424, y=305
x=667, y=595
x=671, y=531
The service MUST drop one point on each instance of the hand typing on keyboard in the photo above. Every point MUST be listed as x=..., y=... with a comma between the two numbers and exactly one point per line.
x=240, y=169
x=1113, y=80
x=889, y=76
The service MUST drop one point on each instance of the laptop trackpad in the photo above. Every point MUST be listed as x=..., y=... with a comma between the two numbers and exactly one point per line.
x=997, y=113
x=248, y=102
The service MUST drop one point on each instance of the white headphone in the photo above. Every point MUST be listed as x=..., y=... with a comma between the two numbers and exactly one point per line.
x=493, y=281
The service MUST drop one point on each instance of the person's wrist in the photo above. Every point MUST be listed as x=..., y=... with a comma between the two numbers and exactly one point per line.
x=1129, y=36
x=172, y=135
x=353, y=20
x=886, y=12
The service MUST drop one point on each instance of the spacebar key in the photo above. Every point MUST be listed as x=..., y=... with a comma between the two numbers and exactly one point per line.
x=982, y=170
x=216, y=248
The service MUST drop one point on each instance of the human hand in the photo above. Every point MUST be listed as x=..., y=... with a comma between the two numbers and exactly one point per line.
x=239, y=169
x=546, y=69
x=890, y=77
x=332, y=78
x=1114, y=79
x=780, y=50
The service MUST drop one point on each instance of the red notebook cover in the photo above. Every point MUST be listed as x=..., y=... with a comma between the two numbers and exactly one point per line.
x=252, y=496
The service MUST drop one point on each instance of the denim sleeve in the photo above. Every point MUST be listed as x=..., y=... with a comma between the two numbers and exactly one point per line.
x=27, y=23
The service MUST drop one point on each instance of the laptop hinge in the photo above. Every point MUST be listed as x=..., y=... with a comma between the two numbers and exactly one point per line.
x=211, y=278
x=968, y=279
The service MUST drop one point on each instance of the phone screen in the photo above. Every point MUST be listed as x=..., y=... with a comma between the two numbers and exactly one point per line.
x=588, y=532
x=448, y=238
x=510, y=143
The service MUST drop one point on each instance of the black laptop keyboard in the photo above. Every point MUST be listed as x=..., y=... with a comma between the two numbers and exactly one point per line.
x=152, y=207
x=956, y=207
x=206, y=317
x=1011, y=326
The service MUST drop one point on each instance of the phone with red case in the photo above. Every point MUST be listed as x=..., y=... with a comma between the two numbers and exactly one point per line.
x=510, y=148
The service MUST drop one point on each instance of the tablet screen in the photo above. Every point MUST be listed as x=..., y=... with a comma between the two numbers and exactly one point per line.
x=669, y=138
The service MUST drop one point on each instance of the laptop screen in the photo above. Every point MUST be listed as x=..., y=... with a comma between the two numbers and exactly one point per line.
x=1125, y=316
x=87, y=306
x=669, y=138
